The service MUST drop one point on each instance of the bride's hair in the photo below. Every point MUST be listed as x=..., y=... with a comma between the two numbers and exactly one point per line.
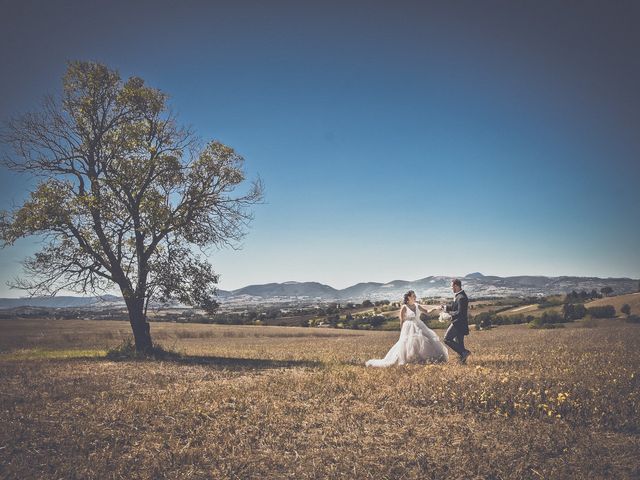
x=407, y=295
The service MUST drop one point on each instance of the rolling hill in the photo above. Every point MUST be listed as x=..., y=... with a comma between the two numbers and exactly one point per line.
x=61, y=302
x=476, y=284
x=632, y=299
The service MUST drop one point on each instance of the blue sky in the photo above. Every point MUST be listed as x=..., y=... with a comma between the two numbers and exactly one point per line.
x=394, y=141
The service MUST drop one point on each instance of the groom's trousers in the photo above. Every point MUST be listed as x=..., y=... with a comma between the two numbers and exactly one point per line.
x=455, y=340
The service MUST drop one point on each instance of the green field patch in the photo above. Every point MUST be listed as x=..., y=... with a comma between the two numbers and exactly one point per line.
x=53, y=354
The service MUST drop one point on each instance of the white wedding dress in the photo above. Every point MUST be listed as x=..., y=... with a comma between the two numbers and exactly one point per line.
x=417, y=344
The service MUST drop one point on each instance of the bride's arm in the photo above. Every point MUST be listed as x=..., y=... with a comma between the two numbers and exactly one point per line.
x=404, y=307
x=425, y=309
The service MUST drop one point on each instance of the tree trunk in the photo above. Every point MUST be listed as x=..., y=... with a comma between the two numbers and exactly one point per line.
x=139, y=325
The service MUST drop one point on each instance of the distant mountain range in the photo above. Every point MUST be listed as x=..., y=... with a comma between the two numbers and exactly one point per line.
x=62, y=302
x=476, y=285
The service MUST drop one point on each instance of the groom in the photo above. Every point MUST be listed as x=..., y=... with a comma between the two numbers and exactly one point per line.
x=459, y=327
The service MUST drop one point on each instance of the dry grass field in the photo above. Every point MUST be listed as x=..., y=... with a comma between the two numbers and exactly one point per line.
x=270, y=402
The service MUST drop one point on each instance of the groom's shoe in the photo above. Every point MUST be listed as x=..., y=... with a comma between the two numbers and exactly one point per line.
x=464, y=356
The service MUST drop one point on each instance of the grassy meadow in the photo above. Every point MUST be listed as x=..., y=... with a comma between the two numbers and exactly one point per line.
x=285, y=402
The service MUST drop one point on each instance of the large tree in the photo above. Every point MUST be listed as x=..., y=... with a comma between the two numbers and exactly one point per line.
x=125, y=196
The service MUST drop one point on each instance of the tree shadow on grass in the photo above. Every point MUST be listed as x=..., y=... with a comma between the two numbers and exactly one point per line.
x=127, y=352
x=223, y=363
x=233, y=363
x=217, y=363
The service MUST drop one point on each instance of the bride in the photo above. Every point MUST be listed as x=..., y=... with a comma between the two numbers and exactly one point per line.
x=417, y=342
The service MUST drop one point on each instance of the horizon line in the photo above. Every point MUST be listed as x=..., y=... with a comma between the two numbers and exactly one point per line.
x=71, y=294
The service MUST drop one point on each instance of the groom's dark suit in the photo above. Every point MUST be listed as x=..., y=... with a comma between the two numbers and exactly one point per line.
x=459, y=323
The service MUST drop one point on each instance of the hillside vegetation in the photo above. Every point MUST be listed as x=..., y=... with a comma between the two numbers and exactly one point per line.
x=632, y=299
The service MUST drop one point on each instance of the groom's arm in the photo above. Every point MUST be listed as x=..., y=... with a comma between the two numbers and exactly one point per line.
x=448, y=307
x=426, y=309
x=453, y=310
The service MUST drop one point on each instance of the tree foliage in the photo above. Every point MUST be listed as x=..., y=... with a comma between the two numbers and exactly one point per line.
x=573, y=311
x=603, y=311
x=125, y=195
x=606, y=291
